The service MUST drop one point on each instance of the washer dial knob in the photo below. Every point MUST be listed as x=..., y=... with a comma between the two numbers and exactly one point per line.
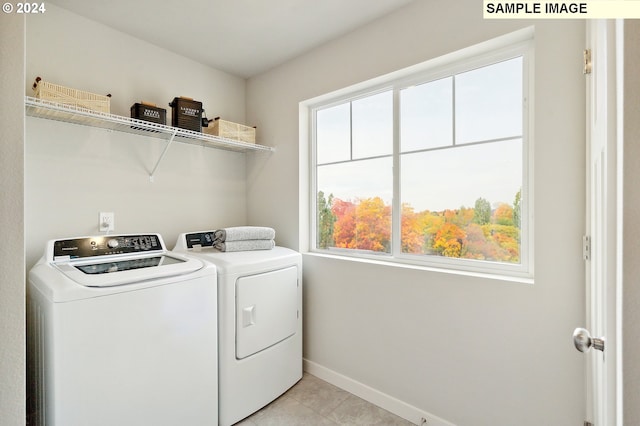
x=112, y=243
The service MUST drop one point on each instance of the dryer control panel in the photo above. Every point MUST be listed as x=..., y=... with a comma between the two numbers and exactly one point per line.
x=106, y=245
x=203, y=239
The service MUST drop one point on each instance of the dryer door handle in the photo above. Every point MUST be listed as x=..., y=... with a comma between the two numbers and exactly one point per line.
x=248, y=316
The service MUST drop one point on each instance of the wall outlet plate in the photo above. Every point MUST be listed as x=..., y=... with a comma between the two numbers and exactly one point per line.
x=106, y=222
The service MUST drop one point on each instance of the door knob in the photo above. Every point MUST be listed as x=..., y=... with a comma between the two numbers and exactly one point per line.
x=583, y=341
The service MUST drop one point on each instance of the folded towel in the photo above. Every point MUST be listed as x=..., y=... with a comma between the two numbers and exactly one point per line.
x=245, y=245
x=241, y=233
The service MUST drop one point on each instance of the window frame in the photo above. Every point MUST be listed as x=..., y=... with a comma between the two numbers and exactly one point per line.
x=497, y=50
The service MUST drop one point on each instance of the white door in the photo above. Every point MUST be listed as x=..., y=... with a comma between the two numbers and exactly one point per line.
x=602, y=221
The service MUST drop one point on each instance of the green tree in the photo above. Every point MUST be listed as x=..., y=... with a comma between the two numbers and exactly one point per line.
x=516, y=209
x=326, y=220
x=482, y=212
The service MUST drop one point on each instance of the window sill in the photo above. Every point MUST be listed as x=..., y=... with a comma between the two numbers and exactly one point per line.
x=413, y=266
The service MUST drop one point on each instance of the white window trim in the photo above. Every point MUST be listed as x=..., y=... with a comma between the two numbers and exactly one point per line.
x=520, y=43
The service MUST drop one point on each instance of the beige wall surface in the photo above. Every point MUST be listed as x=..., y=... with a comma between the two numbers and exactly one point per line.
x=631, y=228
x=467, y=349
x=12, y=272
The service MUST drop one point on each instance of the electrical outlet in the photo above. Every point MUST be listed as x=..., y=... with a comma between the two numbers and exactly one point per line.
x=106, y=222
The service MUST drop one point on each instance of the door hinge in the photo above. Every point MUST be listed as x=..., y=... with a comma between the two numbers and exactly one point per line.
x=586, y=247
x=587, y=61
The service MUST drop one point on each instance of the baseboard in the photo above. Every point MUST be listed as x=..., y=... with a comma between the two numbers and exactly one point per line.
x=374, y=396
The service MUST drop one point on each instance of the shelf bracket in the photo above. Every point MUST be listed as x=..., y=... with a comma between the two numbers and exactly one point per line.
x=166, y=148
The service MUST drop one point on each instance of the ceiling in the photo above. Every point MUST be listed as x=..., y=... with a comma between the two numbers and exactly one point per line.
x=241, y=37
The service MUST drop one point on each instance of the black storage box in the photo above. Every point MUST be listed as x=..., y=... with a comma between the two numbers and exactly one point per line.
x=149, y=112
x=186, y=114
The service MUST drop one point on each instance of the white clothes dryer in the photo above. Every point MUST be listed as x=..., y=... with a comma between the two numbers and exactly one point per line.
x=122, y=332
x=259, y=323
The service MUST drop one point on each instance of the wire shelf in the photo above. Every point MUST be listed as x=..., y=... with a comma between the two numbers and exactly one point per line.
x=54, y=111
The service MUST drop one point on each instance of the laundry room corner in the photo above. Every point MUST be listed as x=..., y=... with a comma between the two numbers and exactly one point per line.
x=75, y=172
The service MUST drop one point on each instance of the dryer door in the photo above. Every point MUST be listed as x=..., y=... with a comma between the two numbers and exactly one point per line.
x=266, y=310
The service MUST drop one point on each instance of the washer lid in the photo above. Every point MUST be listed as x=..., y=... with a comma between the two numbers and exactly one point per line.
x=119, y=270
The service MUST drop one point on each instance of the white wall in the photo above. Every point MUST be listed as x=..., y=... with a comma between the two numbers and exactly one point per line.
x=74, y=172
x=473, y=351
x=12, y=273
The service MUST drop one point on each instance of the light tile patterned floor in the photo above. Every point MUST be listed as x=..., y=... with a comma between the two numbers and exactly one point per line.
x=314, y=402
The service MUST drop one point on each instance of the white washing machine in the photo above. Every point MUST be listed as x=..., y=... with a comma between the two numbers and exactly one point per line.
x=122, y=332
x=259, y=323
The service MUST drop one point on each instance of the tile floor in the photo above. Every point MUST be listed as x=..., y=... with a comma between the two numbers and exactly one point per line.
x=314, y=402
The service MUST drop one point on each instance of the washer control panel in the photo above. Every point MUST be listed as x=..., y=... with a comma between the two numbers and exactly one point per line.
x=106, y=245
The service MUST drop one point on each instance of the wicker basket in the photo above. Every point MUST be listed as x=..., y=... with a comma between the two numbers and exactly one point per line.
x=72, y=97
x=231, y=130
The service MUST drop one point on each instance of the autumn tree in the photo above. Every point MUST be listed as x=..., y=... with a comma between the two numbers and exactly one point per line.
x=503, y=215
x=449, y=240
x=373, y=225
x=344, y=228
x=476, y=243
x=364, y=226
x=450, y=215
x=412, y=237
x=464, y=216
x=430, y=223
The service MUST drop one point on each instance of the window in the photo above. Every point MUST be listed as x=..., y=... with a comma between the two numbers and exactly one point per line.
x=431, y=168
